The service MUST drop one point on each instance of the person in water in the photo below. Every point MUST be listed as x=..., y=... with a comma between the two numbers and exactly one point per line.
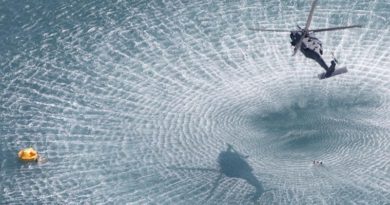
x=317, y=162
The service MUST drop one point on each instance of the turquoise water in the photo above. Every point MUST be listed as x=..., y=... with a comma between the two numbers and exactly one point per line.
x=177, y=102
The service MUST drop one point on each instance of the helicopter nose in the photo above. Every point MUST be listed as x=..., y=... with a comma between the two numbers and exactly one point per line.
x=292, y=36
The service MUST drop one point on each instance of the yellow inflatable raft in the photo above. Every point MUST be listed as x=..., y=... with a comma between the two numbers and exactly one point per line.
x=28, y=154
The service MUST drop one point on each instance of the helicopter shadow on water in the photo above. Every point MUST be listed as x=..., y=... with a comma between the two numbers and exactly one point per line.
x=231, y=164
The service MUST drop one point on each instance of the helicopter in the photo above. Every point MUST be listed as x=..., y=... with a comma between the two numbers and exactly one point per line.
x=304, y=40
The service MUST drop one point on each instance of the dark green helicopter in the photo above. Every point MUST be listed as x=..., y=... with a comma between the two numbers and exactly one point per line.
x=305, y=41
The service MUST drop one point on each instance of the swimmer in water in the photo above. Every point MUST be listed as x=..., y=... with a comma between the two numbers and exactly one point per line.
x=317, y=162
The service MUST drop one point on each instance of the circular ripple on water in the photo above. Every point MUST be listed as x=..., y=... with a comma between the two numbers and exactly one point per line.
x=178, y=103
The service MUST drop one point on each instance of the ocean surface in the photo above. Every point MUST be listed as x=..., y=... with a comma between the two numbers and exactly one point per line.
x=178, y=102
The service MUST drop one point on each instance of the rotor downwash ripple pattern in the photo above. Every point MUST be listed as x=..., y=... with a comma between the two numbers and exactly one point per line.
x=177, y=102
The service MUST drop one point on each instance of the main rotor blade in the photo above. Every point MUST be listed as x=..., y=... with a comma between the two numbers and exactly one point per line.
x=335, y=28
x=308, y=22
x=306, y=29
x=273, y=30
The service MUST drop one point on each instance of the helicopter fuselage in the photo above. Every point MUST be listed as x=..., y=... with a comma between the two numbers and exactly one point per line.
x=311, y=46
